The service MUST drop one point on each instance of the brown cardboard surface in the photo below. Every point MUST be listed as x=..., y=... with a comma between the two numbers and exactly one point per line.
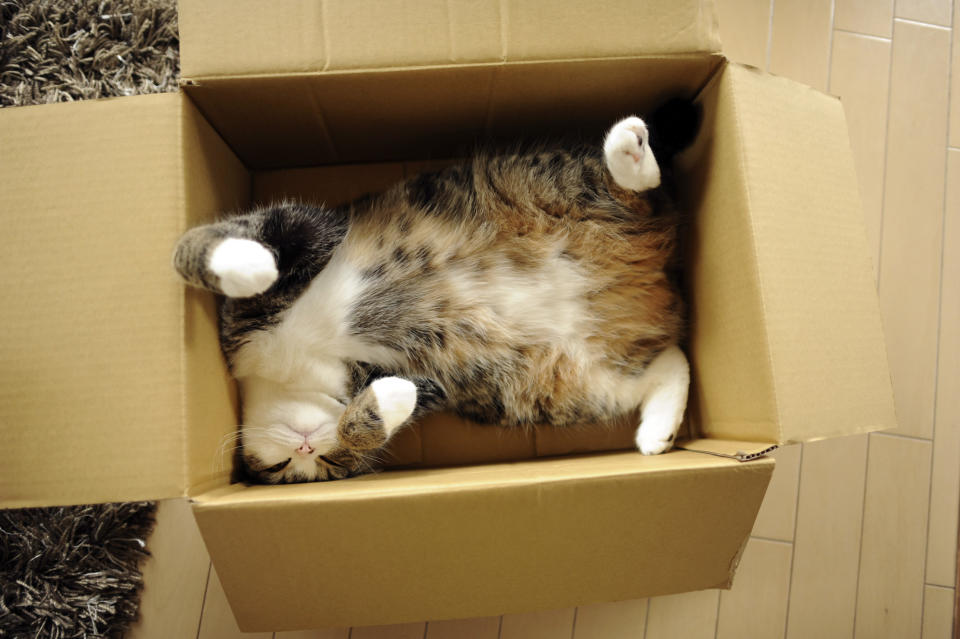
x=479, y=540
x=109, y=358
x=90, y=405
x=330, y=35
x=340, y=118
x=215, y=182
x=786, y=336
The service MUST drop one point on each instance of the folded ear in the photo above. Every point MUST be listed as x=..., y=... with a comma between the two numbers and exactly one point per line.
x=673, y=127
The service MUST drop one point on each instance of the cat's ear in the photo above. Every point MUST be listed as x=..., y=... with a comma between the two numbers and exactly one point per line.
x=673, y=127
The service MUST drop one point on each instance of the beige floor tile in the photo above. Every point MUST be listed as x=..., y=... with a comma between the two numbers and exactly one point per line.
x=912, y=218
x=327, y=633
x=932, y=11
x=938, y=613
x=218, y=621
x=827, y=545
x=391, y=631
x=756, y=606
x=175, y=576
x=617, y=620
x=860, y=76
x=692, y=615
x=479, y=628
x=800, y=46
x=890, y=588
x=745, y=30
x=955, y=83
x=778, y=511
x=872, y=17
x=548, y=624
x=945, y=487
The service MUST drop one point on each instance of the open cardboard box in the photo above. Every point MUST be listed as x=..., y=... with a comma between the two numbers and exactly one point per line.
x=112, y=386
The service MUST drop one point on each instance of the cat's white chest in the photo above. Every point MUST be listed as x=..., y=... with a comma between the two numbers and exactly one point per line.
x=312, y=339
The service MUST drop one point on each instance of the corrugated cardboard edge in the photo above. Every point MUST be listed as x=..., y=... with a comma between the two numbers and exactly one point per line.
x=729, y=449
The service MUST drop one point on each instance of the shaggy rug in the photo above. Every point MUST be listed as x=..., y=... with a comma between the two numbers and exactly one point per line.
x=74, y=572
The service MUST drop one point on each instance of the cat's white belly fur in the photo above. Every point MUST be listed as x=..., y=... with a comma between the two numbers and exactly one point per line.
x=312, y=338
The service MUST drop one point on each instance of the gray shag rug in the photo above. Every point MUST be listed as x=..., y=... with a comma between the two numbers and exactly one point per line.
x=74, y=572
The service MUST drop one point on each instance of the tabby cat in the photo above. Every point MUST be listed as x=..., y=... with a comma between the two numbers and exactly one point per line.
x=512, y=289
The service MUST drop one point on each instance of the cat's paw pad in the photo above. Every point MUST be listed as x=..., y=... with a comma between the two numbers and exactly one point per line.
x=245, y=268
x=396, y=399
x=629, y=157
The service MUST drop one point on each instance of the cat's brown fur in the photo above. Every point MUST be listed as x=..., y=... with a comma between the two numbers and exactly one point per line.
x=442, y=266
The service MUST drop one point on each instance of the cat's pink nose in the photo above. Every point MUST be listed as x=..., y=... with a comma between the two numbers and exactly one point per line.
x=305, y=449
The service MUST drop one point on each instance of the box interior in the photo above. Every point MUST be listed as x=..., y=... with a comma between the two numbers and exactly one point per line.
x=783, y=316
x=435, y=116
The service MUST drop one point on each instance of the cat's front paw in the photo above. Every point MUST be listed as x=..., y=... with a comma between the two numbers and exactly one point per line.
x=629, y=157
x=245, y=268
x=373, y=415
x=396, y=398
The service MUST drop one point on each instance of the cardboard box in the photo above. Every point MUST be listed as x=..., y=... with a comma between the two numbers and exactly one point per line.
x=112, y=386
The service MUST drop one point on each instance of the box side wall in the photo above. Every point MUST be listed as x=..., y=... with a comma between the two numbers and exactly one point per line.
x=819, y=294
x=341, y=118
x=296, y=37
x=215, y=183
x=732, y=392
x=469, y=544
x=90, y=404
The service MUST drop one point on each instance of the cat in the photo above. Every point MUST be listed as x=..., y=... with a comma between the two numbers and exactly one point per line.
x=512, y=289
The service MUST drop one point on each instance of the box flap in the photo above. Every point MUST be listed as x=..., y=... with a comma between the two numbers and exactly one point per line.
x=430, y=543
x=786, y=298
x=312, y=119
x=249, y=37
x=90, y=403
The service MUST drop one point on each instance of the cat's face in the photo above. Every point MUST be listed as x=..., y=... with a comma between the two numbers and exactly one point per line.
x=290, y=436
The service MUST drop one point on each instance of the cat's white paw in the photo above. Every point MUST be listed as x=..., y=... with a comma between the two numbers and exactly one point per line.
x=629, y=157
x=664, y=402
x=245, y=268
x=396, y=399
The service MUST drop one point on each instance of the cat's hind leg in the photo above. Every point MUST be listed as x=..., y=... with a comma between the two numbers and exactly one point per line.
x=667, y=383
x=629, y=157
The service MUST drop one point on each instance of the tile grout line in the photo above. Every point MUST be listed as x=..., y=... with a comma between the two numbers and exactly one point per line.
x=833, y=13
x=936, y=368
x=883, y=179
x=716, y=622
x=771, y=540
x=871, y=36
x=915, y=438
x=770, y=35
x=426, y=626
x=646, y=619
x=500, y=627
x=573, y=626
x=863, y=512
x=203, y=602
x=921, y=23
x=796, y=511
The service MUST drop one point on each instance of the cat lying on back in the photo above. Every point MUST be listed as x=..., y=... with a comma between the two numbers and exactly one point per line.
x=513, y=290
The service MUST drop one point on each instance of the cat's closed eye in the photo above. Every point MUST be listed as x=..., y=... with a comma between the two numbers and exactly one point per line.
x=276, y=468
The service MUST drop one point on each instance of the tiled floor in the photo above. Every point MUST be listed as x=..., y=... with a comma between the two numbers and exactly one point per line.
x=858, y=537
